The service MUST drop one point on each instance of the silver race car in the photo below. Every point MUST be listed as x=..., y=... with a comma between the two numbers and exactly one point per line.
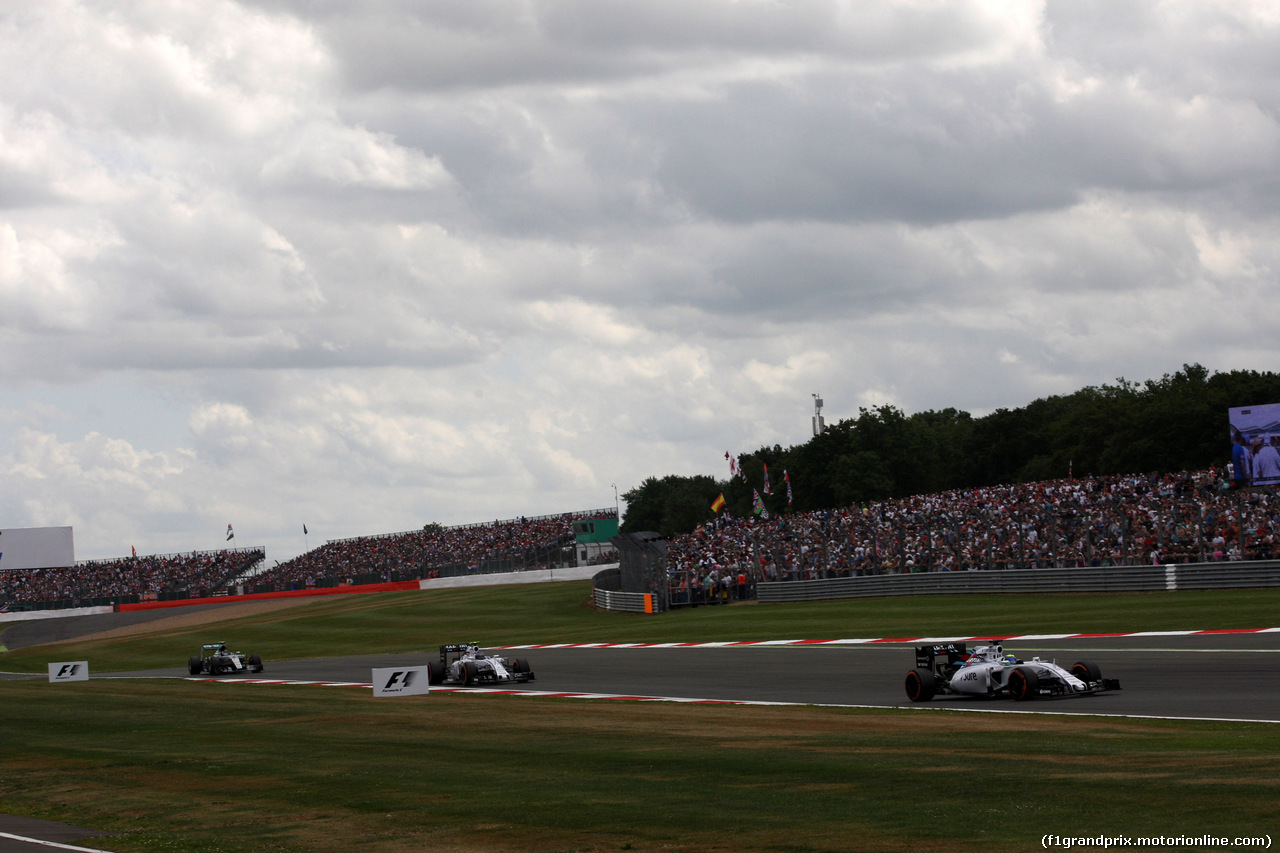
x=465, y=664
x=214, y=659
x=989, y=671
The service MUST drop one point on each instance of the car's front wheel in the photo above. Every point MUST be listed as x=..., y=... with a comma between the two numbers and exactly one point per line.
x=1086, y=670
x=470, y=673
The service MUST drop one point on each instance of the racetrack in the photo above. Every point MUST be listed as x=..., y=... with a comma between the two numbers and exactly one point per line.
x=1204, y=676
x=1223, y=676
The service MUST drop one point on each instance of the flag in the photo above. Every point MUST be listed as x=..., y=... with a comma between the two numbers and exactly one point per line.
x=4, y=608
x=304, y=530
x=231, y=534
x=788, y=482
x=718, y=503
x=135, y=551
x=733, y=464
x=757, y=504
x=767, y=490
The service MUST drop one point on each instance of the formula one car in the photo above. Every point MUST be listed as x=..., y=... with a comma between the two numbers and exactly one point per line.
x=465, y=664
x=988, y=671
x=214, y=659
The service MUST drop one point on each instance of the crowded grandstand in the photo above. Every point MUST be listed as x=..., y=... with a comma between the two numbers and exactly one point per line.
x=434, y=551
x=1187, y=517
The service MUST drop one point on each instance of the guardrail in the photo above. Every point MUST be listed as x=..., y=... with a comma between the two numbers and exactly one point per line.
x=1162, y=578
x=627, y=602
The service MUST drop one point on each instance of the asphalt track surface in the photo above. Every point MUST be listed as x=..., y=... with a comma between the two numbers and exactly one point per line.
x=1227, y=676
x=1204, y=676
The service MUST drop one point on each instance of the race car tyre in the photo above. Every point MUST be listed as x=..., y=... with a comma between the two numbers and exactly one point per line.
x=1023, y=683
x=520, y=665
x=1086, y=670
x=921, y=685
x=194, y=665
x=470, y=673
x=255, y=663
x=435, y=675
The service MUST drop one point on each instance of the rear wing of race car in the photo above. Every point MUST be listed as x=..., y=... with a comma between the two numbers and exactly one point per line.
x=450, y=652
x=941, y=655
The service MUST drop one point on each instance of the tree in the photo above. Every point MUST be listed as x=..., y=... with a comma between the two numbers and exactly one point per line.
x=671, y=505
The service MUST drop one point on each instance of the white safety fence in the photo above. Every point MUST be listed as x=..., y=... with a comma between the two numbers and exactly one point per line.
x=627, y=602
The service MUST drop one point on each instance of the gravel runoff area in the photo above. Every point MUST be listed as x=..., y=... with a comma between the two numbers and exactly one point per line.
x=38, y=632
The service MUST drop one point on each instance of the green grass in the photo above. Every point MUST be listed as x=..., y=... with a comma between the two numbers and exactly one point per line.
x=561, y=613
x=225, y=767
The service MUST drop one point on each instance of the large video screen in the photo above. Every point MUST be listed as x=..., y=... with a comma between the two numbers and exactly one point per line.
x=36, y=548
x=1257, y=428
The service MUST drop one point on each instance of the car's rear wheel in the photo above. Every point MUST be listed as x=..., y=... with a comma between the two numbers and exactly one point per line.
x=921, y=685
x=1023, y=683
x=435, y=674
x=194, y=665
x=1086, y=671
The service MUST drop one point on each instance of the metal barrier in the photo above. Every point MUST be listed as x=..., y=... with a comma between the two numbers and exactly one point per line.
x=627, y=602
x=1164, y=578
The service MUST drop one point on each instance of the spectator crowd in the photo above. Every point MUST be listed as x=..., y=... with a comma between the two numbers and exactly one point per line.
x=514, y=545
x=144, y=577
x=1186, y=517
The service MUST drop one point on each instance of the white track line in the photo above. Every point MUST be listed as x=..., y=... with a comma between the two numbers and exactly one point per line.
x=687, y=700
x=889, y=640
x=54, y=844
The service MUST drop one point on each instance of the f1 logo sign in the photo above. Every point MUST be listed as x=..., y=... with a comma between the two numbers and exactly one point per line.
x=76, y=670
x=403, y=681
x=402, y=677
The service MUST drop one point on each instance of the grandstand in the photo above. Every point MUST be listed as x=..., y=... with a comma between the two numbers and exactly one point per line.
x=155, y=577
x=435, y=551
x=1187, y=517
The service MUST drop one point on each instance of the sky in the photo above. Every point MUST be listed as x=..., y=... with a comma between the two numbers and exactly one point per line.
x=367, y=266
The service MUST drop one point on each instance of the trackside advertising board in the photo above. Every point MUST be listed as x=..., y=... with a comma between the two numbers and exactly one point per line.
x=401, y=681
x=73, y=670
x=36, y=548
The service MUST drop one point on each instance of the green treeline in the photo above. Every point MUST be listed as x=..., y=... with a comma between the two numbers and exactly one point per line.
x=1178, y=422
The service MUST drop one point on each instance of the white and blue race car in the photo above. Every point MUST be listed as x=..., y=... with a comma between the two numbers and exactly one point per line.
x=466, y=664
x=988, y=671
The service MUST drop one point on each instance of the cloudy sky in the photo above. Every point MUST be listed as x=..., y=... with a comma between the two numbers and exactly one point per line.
x=363, y=266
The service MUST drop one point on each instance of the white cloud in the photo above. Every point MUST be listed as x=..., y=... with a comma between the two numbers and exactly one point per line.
x=366, y=266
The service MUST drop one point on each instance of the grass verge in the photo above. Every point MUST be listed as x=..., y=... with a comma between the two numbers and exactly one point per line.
x=229, y=768
x=562, y=613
